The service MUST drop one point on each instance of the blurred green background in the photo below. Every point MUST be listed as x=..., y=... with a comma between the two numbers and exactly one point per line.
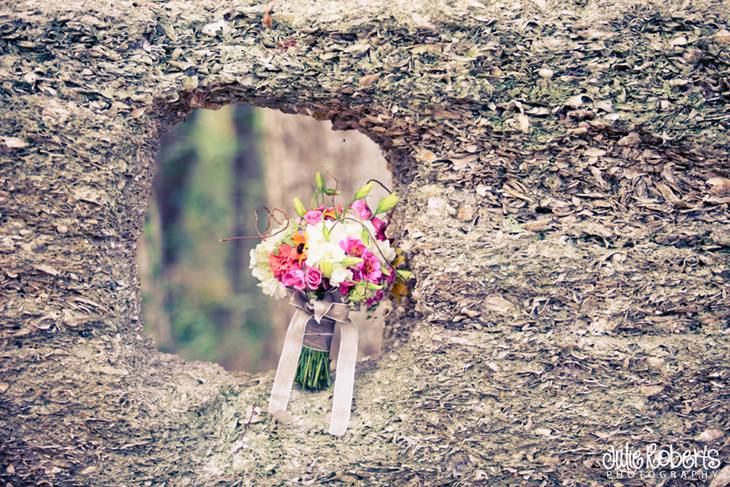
x=198, y=297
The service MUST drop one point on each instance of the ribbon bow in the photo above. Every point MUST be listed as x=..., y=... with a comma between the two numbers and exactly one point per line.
x=331, y=313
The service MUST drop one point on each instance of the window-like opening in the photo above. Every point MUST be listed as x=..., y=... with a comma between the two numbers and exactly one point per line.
x=199, y=299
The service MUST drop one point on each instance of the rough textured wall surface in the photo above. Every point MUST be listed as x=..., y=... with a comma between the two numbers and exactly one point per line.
x=564, y=167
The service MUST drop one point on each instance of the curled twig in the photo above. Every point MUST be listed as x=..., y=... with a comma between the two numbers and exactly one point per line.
x=373, y=180
x=337, y=184
x=271, y=217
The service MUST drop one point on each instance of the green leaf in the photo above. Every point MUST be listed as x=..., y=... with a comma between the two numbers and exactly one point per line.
x=405, y=275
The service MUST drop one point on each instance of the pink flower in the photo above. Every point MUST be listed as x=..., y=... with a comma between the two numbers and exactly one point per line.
x=390, y=277
x=353, y=246
x=313, y=217
x=380, y=227
x=313, y=278
x=369, y=268
x=294, y=277
x=345, y=287
x=375, y=299
x=362, y=209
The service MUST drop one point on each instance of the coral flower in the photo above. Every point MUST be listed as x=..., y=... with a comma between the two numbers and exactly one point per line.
x=282, y=260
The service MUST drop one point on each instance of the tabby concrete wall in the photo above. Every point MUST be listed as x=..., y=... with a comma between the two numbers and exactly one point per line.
x=564, y=170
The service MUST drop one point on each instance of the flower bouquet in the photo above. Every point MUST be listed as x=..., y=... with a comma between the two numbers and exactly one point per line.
x=330, y=259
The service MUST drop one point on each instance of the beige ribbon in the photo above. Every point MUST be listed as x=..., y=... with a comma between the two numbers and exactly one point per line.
x=329, y=308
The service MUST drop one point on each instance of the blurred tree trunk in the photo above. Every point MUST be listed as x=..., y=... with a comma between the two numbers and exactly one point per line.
x=246, y=196
x=176, y=160
x=153, y=285
x=250, y=308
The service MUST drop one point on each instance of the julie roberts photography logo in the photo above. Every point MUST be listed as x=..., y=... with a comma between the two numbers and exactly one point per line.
x=661, y=462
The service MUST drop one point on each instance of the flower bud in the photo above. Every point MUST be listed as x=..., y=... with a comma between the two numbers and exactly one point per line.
x=348, y=261
x=326, y=268
x=364, y=190
x=299, y=207
x=319, y=181
x=387, y=203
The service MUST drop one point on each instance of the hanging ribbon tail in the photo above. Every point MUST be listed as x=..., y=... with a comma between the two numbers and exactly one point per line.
x=288, y=361
x=346, y=357
x=344, y=379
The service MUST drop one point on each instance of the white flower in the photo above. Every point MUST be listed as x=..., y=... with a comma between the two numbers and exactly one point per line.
x=345, y=229
x=340, y=274
x=327, y=252
x=259, y=264
x=321, y=250
x=387, y=251
x=273, y=287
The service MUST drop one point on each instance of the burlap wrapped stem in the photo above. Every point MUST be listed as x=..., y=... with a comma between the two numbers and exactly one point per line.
x=313, y=326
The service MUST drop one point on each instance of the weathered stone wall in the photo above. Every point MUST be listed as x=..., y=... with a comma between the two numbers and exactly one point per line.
x=564, y=169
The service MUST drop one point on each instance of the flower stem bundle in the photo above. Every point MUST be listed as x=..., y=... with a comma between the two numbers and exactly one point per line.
x=313, y=370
